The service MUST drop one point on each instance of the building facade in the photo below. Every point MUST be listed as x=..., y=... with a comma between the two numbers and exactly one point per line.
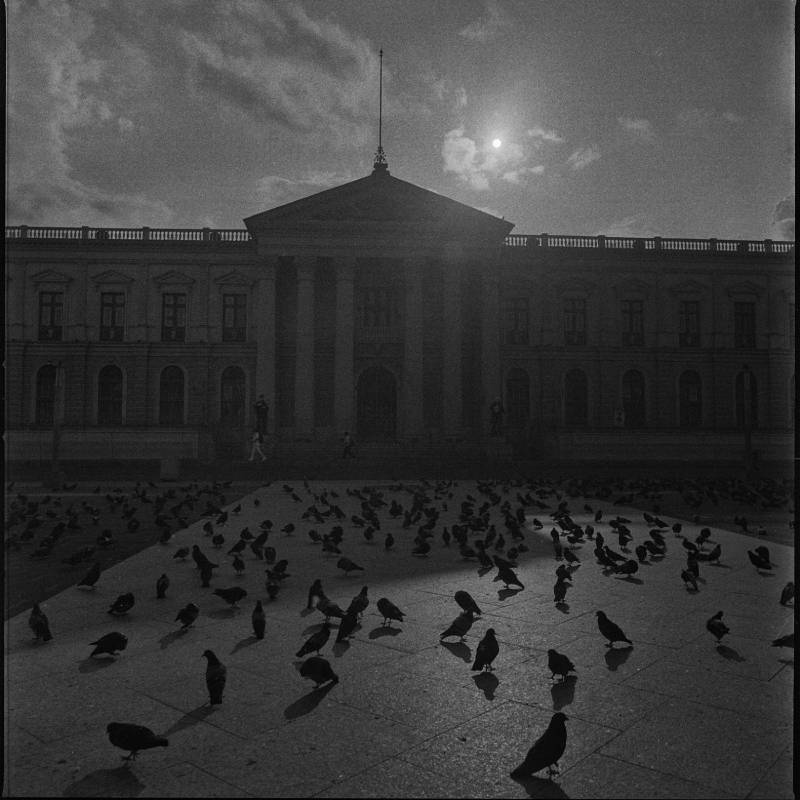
x=397, y=314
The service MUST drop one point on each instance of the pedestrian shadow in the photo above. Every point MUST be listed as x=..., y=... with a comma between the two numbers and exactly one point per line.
x=541, y=787
x=90, y=664
x=487, y=683
x=730, y=653
x=246, y=642
x=617, y=656
x=119, y=782
x=307, y=703
x=459, y=649
x=189, y=719
x=563, y=692
x=166, y=640
x=563, y=607
x=384, y=630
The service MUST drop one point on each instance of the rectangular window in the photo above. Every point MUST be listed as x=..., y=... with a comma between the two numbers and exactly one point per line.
x=51, y=313
x=112, y=316
x=234, y=317
x=744, y=324
x=173, y=317
x=632, y=323
x=517, y=317
x=689, y=335
x=574, y=321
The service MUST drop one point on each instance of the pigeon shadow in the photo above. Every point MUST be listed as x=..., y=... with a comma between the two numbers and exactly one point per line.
x=223, y=613
x=189, y=719
x=730, y=653
x=541, y=787
x=631, y=579
x=483, y=570
x=166, y=640
x=307, y=703
x=119, y=782
x=616, y=657
x=563, y=607
x=717, y=564
x=340, y=648
x=458, y=649
x=90, y=664
x=487, y=683
x=315, y=628
x=306, y=611
x=384, y=630
x=563, y=692
x=504, y=594
x=246, y=642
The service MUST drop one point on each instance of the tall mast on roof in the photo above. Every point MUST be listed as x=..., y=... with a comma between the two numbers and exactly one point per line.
x=380, y=163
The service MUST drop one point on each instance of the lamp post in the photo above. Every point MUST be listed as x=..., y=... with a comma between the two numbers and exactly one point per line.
x=56, y=476
x=747, y=419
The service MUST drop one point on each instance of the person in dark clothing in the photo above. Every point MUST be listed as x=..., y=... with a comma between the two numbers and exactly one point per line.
x=349, y=446
x=262, y=415
x=496, y=410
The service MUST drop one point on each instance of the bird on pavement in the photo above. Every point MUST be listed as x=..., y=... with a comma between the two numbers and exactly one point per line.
x=123, y=604
x=358, y=605
x=232, y=595
x=348, y=624
x=570, y=557
x=465, y=600
x=508, y=576
x=389, y=611
x=133, y=738
x=316, y=641
x=641, y=553
x=110, y=643
x=717, y=627
x=787, y=593
x=259, y=620
x=760, y=560
x=238, y=565
x=559, y=664
x=330, y=609
x=347, y=565
x=628, y=568
x=487, y=651
x=92, y=576
x=39, y=624
x=560, y=590
x=200, y=558
x=460, y=625
x=162, y=584
x=712, y=555
x=611, y=630
x=182, y=553
x=216, y=675
x=547, y=750
x=689, y=579
x=238, y=547
x=187, y=615
x=319, y=670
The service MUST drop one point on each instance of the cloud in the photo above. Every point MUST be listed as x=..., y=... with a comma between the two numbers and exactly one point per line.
x=494, y=22
x=705, y=121
x=584, y=156
x=537, y=132
x=477, y=165
x=637, y=226
x=783, y=219
x=276, y=190
x=516, y=175
x=641, y=128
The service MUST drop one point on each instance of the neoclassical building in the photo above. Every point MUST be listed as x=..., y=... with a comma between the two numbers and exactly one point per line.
x=397, y=314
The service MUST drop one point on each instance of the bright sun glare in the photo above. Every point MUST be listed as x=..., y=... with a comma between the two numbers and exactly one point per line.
x=496, y=143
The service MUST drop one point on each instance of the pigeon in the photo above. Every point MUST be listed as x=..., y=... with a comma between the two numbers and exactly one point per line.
x=92, y=576
x=759, y=561
x=460, y=625
x=216, y=674
x=788, y=593
x=717, y=627
x=122, y=605
x=329, y=608
x=464, y=599
x=218, y=540
x=570, y=557
x=628, y=568
x=39, y=624
x=162, y=584
x=187, y=615
x=359, y=603
x=347, y=565
x=422, y=549
x=259, y=620
x=784, y=641
x=238, y=565
x=316, y=641
x=133, y=738
x=547, y=749
x=689, y=579
x=507, y=576
x=348, y=624
x=487, y=651
x=389, y=611
x=641, y=553
x=232, y=596
x=560, y=590
x=611, y=630
x=319, y=670
x=200, y=558
x=110, y=643
x=238, y=547
x=712, y=555
x=182, y=553
x=559, y=664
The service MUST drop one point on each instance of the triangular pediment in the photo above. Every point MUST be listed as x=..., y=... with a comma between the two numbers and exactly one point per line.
x=174, y=278
x=50, y=276
x=577, y=287
x=745, y=288
x=688, y=287
x=234, y=278
x=379, y=202
x=632, y=286
x=111, y=276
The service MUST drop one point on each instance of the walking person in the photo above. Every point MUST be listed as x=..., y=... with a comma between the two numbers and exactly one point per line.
x=262, y=414
x=349, y=446
x=257, y=441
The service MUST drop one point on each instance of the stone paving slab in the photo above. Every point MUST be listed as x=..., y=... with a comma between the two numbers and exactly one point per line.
x=675, y=715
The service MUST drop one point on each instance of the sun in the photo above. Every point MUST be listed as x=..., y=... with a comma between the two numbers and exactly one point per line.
x=496, y=143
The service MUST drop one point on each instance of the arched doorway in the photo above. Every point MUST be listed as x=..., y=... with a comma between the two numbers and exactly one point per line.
x=376, y=405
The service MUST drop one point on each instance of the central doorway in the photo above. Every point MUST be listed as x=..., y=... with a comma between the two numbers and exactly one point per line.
x=376, y=405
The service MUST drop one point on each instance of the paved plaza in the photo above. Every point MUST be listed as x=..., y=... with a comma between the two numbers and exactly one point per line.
x=674, y=716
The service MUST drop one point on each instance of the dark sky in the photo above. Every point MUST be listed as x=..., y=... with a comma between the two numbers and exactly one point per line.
x=630, y=118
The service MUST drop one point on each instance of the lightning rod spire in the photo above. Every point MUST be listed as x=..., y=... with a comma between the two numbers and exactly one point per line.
x=380, y=163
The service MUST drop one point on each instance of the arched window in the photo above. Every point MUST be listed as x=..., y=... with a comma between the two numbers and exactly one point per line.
x=170, y=404
x=633, y=398
x=232, y=386
x=576, y=398
x=746, y=414
x=690, y=393
x=517, y=398
x=109, y=396
x=45, y=394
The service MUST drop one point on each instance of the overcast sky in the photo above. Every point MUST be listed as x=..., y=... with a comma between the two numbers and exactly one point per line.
x=629, y=118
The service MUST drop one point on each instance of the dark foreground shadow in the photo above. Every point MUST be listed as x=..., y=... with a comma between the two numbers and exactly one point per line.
x=340, y=648
x=541, y=787
x=729, y=653
x=192, y=718
x=307, y=703
x=458, y=649
x=166, y=640
x=246, y=642
x=119, y=782
x=616, y=657
x=90, y=664
x=487, y=683
x=504, y=594
x=563, y=607
x=383, y=630
x=563, y=692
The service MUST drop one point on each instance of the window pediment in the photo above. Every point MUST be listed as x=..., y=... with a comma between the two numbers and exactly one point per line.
x=51, y=276
x=111, y=277
x=173, y=278
x=689, y=287
x=576, y=287
x=234, y=279
x=633, y=288
x=746, y=290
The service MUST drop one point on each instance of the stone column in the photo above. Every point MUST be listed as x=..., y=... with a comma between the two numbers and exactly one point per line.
x=265, y=340
x=451, y=368
x=413, y=401
x=343, y=387
x=15, y=302
x=491, y=378
x=304, y=349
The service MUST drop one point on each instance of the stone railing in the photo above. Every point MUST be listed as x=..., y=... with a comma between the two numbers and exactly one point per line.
x=85, y=233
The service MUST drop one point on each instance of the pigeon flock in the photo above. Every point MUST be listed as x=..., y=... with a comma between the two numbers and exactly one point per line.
x=491, y=527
